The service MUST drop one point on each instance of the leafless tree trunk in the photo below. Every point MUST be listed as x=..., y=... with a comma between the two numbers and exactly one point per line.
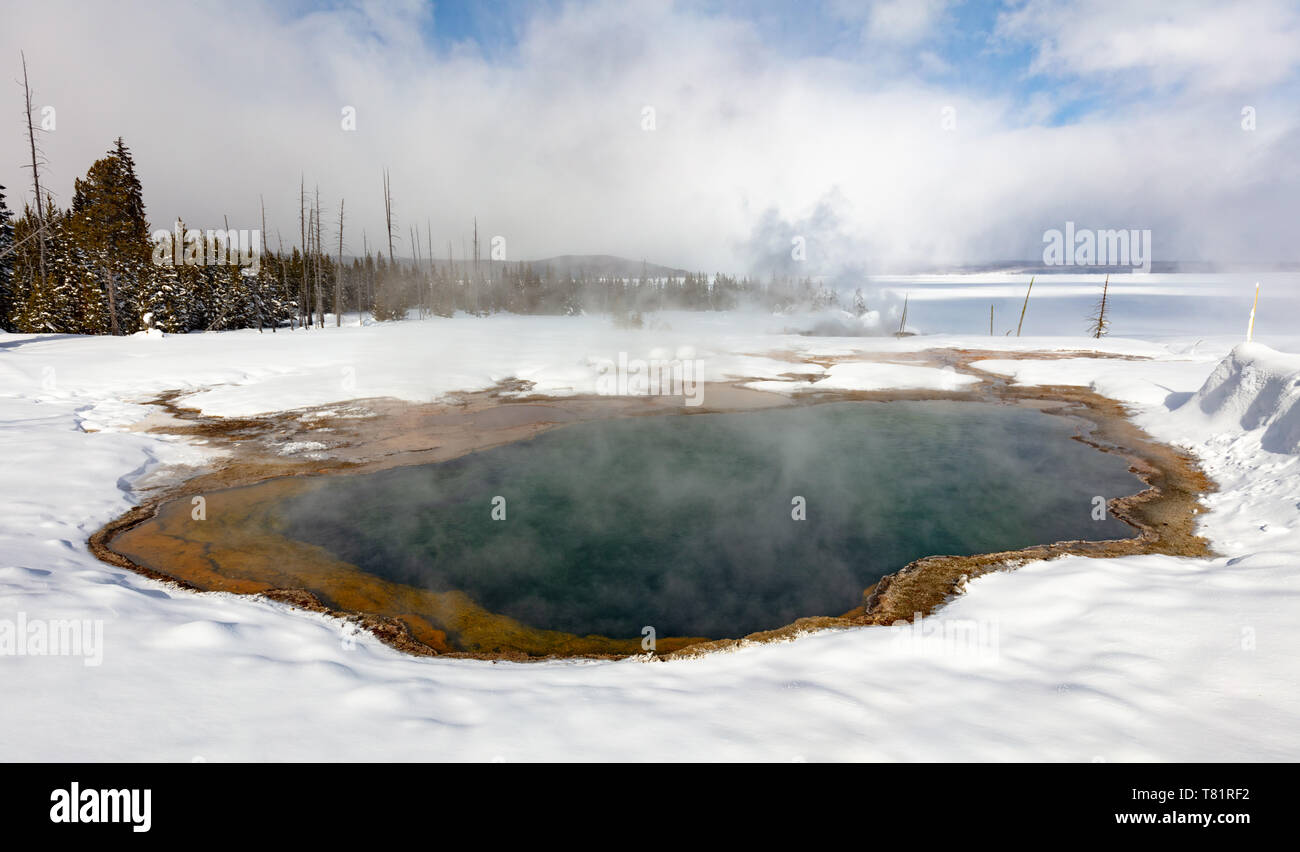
x=257, y=288
x=320, y=258
x=283, y=277
x=1025, y=306
x=388, y=216
x=338, y=275
x=1099, y=321
x=303, y=308
x=309, y=319
x=415, y=270
x=365, y=276
x=36, y=172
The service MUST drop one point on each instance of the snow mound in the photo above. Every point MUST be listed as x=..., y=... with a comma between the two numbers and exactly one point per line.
x=1254, y=389
x=871, y=376
x=200, y=635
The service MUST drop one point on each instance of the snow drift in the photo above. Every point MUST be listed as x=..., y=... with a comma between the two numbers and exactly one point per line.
x=1254, y=388
x=1131, y=659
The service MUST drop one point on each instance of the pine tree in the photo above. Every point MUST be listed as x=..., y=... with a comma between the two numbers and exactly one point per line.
x=53, y=302
x=26, y=269
x=166, y=291
x=164, y=298
x=389, y=303
x=135, y=249
x=108, y=228
x=6, y=264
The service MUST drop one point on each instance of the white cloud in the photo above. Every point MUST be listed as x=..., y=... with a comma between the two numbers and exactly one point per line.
x=547, y=148
x=1209, y=45
x=903, y=21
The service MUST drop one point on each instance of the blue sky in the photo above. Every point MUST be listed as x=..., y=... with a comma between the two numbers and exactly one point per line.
x=976, y=59
x=493, y=27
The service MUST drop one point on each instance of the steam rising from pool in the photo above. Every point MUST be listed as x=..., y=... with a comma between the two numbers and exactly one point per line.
x=684, y=523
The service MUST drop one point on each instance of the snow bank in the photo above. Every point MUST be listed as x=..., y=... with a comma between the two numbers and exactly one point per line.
x=1160, y=383
x=1140, y=658
x=1254, y=389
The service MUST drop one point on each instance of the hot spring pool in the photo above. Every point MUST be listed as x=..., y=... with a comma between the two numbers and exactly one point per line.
x=684, y=523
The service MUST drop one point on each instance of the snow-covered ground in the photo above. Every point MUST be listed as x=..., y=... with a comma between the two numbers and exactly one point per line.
x=1141, y=658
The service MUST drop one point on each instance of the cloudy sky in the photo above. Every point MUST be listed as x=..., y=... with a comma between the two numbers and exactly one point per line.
x=700, y=134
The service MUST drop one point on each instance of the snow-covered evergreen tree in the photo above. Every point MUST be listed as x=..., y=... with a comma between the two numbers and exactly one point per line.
x=166, y=289
x=57, y=306
x=6, y=264
x=164, y=296
x=107, y=224
x=233, y=305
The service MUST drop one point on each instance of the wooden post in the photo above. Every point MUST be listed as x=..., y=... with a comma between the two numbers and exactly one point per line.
x=1250, y=332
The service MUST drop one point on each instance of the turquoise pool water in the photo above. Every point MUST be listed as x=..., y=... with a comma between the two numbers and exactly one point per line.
x=684, y=523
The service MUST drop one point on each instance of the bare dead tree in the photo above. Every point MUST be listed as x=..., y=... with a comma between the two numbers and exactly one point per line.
x=257, y=290
x=303, y=308
x=309, y=320
x=415, y=268
x=320, y=258
x=308, y=258
x=338, y=275
x=388, y=215
x=365, y=276
x=36, y=171
x=284, y=278
x=428, y=241
x=1098, y=324
x=1025, y=306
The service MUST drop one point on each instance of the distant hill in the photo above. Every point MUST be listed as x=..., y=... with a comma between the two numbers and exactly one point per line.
x=603, y=265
